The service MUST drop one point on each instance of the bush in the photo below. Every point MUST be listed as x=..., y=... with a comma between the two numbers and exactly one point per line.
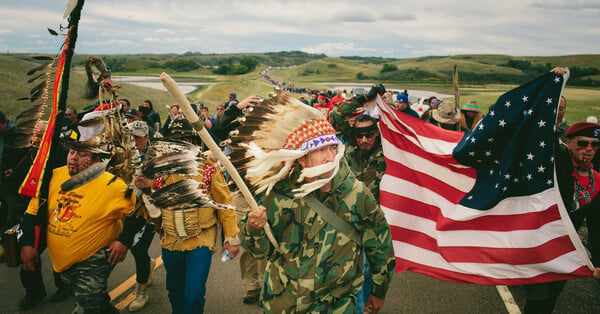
x=362, y=76
x=182, y=65
x=389, y=68
x=237, y=69
x=222, y=69
x=249, y=62
x=307, y=72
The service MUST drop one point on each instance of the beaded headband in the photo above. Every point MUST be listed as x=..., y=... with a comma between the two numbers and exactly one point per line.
x=311, y=135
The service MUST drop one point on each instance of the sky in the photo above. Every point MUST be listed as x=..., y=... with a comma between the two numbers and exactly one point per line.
x=378, y=28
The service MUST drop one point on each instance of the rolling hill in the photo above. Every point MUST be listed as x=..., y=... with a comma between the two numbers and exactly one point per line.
x=482, y=77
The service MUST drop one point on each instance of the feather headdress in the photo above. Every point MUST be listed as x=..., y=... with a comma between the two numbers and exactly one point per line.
x=273, y=135
x=178, y=157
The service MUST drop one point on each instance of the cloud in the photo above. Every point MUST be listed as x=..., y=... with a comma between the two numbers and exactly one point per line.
x=116, y=42
x=337, y=49
x=399, y=17
x=355, y=17
x=389, y=28
x=567, y=4
x=164, y=31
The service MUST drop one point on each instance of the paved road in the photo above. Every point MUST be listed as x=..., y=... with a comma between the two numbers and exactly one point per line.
x=409, y=293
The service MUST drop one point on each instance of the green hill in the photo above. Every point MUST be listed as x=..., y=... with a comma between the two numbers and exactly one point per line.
x=14, y=85
x=482, y=77
x=473, y=69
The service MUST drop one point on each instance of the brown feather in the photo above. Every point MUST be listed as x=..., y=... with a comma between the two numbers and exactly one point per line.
x=22, y=142
x=36, y=77
x=259, y=110
x=39, y=91
x=31, y=112
x=253, y=121
x=44, y=58
x=27, y=124
x=39, y=68
x=32, y=99
x=247, y=129
x=238, y=155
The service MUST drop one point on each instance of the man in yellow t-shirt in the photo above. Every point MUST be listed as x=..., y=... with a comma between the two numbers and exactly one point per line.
x=83, y=226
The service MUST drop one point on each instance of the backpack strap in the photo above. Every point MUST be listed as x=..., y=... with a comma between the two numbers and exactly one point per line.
x=332, y=218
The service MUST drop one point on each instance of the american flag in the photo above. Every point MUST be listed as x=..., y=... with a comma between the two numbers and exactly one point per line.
x=481, y=207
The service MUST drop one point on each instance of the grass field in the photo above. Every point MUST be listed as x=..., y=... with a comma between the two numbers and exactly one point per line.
x=581, y=101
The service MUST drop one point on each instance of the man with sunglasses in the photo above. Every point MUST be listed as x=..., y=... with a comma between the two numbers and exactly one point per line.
x=579, y=184
x=365, y=154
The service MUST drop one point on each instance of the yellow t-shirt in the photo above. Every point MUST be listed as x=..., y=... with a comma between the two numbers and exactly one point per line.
x=83, y=220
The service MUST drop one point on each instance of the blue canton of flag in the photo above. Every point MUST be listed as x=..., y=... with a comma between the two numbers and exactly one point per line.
x=512, y=148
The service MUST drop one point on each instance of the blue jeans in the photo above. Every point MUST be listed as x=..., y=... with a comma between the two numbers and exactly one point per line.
x=187, y=273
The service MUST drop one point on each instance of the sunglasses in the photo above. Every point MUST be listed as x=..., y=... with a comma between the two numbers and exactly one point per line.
x=368, y=134
x=585, y=143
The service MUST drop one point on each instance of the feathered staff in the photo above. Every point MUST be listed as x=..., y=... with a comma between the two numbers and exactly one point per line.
x=38, y=175
x=37, y=180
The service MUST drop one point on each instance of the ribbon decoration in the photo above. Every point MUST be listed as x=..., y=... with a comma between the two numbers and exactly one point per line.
x=37, y=174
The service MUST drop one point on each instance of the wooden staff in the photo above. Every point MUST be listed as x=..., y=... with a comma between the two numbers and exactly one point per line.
x=198, y=125
x=455, y=85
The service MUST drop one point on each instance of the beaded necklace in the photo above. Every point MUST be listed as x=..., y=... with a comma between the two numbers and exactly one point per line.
x=583, y=193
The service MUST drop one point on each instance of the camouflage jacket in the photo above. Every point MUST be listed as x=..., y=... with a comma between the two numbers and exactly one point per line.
x=316, y=264
x=368, y=169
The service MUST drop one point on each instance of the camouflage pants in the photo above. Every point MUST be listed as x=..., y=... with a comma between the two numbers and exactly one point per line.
x=88, y=279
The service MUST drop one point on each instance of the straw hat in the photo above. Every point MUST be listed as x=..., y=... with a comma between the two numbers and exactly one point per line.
x=446, y=112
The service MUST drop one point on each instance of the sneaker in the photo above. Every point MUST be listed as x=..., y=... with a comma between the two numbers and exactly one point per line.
x=141, y=297
x=61, y=294
x=151, y=274
x=251, y=297
x=29, y=302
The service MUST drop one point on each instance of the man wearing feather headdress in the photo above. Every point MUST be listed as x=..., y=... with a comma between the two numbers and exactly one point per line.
x=84, y=225
x=320, y=214
x=188, y=225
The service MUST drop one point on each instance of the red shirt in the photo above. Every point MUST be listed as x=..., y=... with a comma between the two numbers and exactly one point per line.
x=336, y=99
x=324, y=109
x=584, y=182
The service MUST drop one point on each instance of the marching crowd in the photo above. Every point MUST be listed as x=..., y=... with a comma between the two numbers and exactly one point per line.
x=315, y=167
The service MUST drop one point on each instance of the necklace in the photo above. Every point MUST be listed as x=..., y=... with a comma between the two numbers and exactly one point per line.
x=583, y=193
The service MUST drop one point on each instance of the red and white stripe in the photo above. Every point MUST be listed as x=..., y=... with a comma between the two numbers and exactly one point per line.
x=527, y=239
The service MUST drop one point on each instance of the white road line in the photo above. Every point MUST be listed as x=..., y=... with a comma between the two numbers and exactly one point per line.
x=509, y=301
